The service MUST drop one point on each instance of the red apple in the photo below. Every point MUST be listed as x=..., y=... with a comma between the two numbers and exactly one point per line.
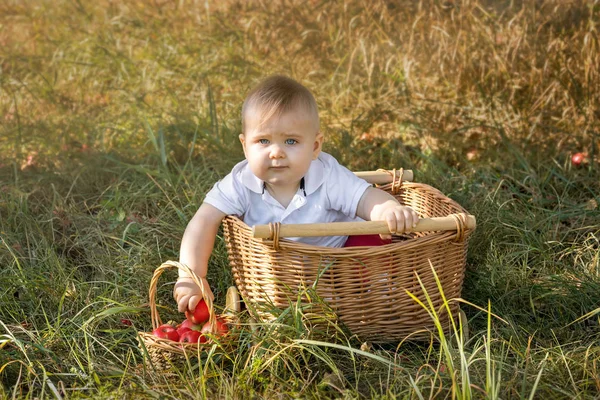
x=577, y=159
x=190, y=325
x=200, y=315
x=220, y=327
x=181, y=330
x=166, y=331
x=192, y=337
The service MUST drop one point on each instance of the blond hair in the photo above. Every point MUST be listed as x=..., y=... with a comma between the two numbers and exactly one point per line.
x=277, y=95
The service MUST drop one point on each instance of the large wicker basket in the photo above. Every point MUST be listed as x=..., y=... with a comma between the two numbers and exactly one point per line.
x=366, y=287
x=165, y=353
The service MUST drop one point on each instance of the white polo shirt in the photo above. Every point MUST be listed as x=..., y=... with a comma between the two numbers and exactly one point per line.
x=332, y=195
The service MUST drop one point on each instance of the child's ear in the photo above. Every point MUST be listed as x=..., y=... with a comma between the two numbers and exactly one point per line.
x=243, y=142
x=318, y=145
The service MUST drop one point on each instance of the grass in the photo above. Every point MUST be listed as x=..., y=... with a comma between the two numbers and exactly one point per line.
x=116, y=118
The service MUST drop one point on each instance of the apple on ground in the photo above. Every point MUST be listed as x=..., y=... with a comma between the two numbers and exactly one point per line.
x=577, y=158
x=200, y=315
x=166, y=331
x=192, y=337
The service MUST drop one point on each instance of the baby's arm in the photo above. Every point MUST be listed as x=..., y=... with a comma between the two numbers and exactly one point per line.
x=377, y=205
x=196, y=247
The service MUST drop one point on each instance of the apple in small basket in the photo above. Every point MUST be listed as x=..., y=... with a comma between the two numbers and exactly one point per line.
x=181, y=330
x=200, y=315
x=191, y=336
x=221, y=327
x=166, y=331
x=187, y=324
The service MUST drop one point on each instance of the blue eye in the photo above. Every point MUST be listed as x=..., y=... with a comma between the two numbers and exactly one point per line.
x=291, y=141
x=263, y=141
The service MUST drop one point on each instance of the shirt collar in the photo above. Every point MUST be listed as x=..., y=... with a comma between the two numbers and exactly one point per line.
x=312, y=180
x=250, y=180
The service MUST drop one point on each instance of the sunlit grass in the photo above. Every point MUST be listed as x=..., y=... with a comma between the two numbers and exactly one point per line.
x=116, y=118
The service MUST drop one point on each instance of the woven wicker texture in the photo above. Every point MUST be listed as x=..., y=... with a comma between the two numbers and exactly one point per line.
x=365, y=286
x=166, y=353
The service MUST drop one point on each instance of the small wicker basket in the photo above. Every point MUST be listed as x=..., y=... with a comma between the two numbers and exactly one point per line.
x=366, y=287
x=165, y=353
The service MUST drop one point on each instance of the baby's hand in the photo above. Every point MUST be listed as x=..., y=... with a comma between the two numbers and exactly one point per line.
x=187, y=294
x=399, y=219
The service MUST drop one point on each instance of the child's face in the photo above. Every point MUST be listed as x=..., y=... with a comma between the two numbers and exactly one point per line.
x=280, y=151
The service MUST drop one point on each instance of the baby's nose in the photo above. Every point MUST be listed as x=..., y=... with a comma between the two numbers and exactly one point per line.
x=277, y=151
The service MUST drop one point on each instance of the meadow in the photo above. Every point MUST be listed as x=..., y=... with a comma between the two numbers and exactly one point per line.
x=117, y=117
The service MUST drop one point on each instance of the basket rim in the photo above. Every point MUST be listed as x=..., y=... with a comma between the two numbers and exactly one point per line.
x=299, y=247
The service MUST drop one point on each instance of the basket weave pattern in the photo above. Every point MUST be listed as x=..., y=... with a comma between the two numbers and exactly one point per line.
x=365, y=286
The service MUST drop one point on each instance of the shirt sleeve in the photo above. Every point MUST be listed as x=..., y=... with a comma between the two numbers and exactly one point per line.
x=344, y=189
x=228, y=195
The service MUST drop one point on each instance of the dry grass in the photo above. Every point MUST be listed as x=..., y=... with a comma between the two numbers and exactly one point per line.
x=465, y=74
x=116, y=117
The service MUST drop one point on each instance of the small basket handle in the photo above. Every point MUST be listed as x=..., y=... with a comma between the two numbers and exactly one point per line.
x=156, y=321
x=451, y=222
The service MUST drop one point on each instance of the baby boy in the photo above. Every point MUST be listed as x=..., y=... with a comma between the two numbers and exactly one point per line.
x=285, y=178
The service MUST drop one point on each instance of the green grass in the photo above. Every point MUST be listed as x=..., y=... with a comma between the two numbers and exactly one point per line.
x=115, y=119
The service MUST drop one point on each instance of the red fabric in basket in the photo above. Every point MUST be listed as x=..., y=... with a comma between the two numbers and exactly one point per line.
x=366, y=240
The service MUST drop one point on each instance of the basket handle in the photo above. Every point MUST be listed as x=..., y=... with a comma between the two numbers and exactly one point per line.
x=381, y=176
x=156, y=321
x=453, y=222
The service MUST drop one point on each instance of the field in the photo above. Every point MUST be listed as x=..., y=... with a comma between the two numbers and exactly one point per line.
x=117, y=117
